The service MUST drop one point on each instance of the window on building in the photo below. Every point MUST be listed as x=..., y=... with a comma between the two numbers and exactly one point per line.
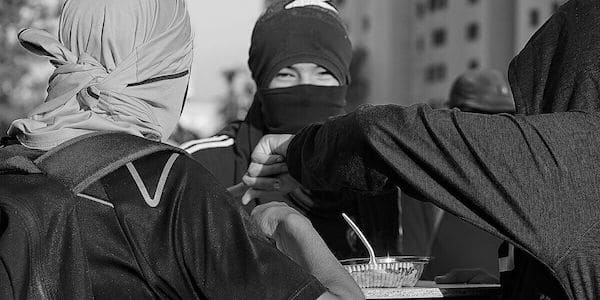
x=438, y=37
x=437, y=4
x=435, y=73
x=534, y=18
x=441, y=72
x=473, y=64
x=472, y=31
x=429, y=75
x=420, y=9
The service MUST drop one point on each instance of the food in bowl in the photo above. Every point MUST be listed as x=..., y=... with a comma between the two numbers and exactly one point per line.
x=392, y=272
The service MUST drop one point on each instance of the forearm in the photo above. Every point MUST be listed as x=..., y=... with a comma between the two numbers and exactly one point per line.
x=296, y=237
x=336, y=155
x=420, y=150
x=486, y=169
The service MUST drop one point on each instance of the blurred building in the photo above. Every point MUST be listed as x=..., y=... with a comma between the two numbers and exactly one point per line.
x=416, y=48
x=221, y=41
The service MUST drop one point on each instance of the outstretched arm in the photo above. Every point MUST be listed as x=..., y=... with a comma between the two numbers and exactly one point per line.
x=296, y=237
x=499, y=172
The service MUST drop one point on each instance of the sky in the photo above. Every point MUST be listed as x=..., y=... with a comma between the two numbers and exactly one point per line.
x=222, y=37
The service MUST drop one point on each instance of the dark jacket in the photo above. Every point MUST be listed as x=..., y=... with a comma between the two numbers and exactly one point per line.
x=159, y=227
x=227, y=156
x=531, y=179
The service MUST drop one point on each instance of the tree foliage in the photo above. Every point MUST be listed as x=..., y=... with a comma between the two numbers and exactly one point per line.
x=22, y=76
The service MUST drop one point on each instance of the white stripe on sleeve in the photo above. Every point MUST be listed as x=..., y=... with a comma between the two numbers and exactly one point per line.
x=221, y=144
x=192, y=143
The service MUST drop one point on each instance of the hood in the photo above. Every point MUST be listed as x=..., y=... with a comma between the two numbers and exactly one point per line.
x=558, y=70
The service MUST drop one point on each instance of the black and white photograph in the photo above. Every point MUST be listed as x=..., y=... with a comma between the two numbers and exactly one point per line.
x=300, y=149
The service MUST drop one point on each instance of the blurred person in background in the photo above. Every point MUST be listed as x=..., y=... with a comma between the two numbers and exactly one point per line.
x=482, y=91
x=123, y=66
x=299, y=58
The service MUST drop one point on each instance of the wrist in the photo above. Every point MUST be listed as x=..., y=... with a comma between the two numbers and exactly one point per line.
x=293, y=224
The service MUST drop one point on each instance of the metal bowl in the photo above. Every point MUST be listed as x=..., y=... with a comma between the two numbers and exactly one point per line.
x=392, y=271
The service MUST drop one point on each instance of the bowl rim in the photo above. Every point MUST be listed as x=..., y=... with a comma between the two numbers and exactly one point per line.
x=387, y=260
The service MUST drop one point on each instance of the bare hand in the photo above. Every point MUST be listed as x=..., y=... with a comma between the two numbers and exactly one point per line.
x=267, y=174
x=269, y=154
x=269, y=215
x=269, y=188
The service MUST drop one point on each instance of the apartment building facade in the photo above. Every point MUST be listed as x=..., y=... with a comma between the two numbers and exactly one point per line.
x=416, y=48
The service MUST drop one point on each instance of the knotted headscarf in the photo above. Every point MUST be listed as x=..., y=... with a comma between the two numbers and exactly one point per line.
x=121, y=65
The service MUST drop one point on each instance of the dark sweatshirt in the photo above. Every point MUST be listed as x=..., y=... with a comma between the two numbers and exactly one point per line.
x=190, y=241
x=531, y=179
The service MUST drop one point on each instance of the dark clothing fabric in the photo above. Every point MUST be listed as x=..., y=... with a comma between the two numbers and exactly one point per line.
x=531, y=179
x=540, y=193
x=291, y=32
x=460, y=245
x=286, y=110
x=190, y=241
x=559, y=70
x=526, y=277
x=377, y=215
x=420, y=222
x=453, y=243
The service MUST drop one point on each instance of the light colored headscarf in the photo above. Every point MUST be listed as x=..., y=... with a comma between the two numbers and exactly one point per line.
x=121, y=65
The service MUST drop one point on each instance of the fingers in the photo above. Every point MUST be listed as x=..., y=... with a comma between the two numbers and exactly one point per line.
x=266, y=158
x=237, y=190
x=261, y=170
x=252, y=194
x=283, y=183
x=271, y=148
x=262, y=183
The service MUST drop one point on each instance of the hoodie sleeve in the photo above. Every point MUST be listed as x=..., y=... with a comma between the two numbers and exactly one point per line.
x=520, y=178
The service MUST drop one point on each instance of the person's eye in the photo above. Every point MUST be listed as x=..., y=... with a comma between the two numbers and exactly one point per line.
x=324, y=72
x=285, y=74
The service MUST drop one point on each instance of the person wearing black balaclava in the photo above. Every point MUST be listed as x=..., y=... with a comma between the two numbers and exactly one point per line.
x=299, y=57
x=531, y=179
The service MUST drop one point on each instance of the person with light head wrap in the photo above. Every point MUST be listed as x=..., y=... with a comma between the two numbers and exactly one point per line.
x=300, y=56
x=123, y=66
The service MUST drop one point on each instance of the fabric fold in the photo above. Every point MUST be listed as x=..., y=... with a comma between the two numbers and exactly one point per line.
x=110, y=85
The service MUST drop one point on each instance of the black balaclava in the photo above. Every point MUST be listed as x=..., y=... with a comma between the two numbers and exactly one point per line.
x=287, y=110
x=297, y=31
x=300, y=31
x=290, y=32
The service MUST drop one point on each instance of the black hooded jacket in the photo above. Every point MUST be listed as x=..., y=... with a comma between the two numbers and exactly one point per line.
x=531, y=179
x=189, y=240
x=227, y=156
